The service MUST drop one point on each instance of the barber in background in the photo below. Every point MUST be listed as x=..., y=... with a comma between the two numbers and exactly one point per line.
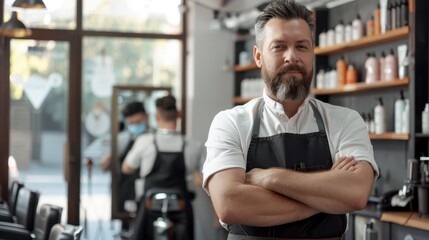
x=135, y=117
x=167, y=160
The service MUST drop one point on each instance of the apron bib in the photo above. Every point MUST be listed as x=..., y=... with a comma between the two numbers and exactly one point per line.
x=300, y=152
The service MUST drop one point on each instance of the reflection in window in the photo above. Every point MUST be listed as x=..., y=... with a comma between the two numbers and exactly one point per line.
x=148, y=16
x=124, y=61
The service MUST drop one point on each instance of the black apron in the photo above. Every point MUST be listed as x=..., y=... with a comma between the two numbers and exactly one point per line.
x=169, y=173
x=301, y=152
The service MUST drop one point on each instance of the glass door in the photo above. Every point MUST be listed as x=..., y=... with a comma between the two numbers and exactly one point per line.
x=39, y=95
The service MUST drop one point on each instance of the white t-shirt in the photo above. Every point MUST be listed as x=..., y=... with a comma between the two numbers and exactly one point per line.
x=143, y=154
x=231, y=132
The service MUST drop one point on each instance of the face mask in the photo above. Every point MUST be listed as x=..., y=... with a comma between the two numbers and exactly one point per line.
x=137, y=129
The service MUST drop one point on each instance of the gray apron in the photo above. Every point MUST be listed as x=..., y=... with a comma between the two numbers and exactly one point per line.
x=300, y=152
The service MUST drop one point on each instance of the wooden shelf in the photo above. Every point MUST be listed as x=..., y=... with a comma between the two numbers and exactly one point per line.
x=240, y=100
x=364, y=42
x=389, y=136
x=409, y=219
x=243, y=68
x=360, y=87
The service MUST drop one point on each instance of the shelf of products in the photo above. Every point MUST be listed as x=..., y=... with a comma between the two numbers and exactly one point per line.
x=389, y=136
x=360, y=87
x=364, y=42
x=243, y=68
x=409, y=219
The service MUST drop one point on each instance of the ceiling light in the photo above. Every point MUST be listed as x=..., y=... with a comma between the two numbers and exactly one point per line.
x=14, y=28
x=29, y=4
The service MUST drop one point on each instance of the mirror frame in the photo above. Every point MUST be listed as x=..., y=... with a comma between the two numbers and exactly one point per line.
x=115, y=213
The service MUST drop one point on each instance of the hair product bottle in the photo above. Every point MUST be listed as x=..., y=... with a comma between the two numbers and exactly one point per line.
x=377, y=20
x=380, y=117
x=348, y=32
x=390, y=66
x=341, y=70
x=381, y=63
x=406, y=117
x=339, y=33
x=351, y=75
x=404, y=13
x=425, y=119
x=370, y=26
x=371, y=68
x=357, y=26
x=399, y=109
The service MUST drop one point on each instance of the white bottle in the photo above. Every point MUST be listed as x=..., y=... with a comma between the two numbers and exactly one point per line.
x=406, y=117
x=330, y=37
x=399, y=109
x=371, y=68
x=339, y=33
x=390, y=66
x=380, y=117
x=348, y=32
x=357, y=28
x=320, y=79
x=425, y=119
x=322, y=39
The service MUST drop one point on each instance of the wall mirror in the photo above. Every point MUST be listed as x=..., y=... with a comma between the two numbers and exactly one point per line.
x=122, y=95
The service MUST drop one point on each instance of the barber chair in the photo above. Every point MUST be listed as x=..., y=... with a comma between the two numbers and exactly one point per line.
x=162, y=216
x=25, y=210
x=7, y=209
x=65, y=232
x=46, y=218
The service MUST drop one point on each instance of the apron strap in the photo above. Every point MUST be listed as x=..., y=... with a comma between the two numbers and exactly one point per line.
x=257, y=119
x=319, y=119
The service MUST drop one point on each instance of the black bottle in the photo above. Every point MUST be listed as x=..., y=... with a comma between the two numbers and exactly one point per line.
x=393, y=17
x=398, y=14
x=404, y=13
x=388, y=18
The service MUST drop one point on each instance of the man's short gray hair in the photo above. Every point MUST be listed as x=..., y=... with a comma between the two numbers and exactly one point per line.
x=283, y=9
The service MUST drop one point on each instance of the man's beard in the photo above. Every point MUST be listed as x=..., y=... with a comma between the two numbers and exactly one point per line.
x=290, y=88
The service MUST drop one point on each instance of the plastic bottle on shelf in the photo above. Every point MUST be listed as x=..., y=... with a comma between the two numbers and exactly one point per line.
x=380, y=117
x=388, y=17
x=377, y=20
x=399, y=109
x=381, y=63
x=341, y=70
x=322, y=39
x=320, y=79
x=404, y=13
x=406, y=117
x=339, y=32
x=244, y=58
x=333, y=78
x=371, y=68
x=357, y=25
x=425, y=119
x=365, y=119
x=371, y=123
x=393, y=16
x=398, y=14
x=330, y=37
x=390, y=66
x=351, y=75
x=370, y=27
x=348, y=32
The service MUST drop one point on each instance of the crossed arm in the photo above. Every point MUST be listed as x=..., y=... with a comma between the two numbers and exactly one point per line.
x=277, y=196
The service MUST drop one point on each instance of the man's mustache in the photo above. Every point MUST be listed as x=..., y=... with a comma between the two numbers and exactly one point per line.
x=290, y=68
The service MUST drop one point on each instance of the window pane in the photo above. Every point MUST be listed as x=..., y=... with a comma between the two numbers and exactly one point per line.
x=59, y=14
x=123, y=61
x=148, y=16
x=39, y=81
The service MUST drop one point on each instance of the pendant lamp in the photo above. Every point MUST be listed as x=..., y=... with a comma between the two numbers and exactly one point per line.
x=29, y=4
x=14, y=28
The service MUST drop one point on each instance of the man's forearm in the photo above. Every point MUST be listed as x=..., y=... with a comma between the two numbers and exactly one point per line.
x=335, y=192
x=241, y=203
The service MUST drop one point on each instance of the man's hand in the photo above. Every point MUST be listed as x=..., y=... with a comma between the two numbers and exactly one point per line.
x=345, y=163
